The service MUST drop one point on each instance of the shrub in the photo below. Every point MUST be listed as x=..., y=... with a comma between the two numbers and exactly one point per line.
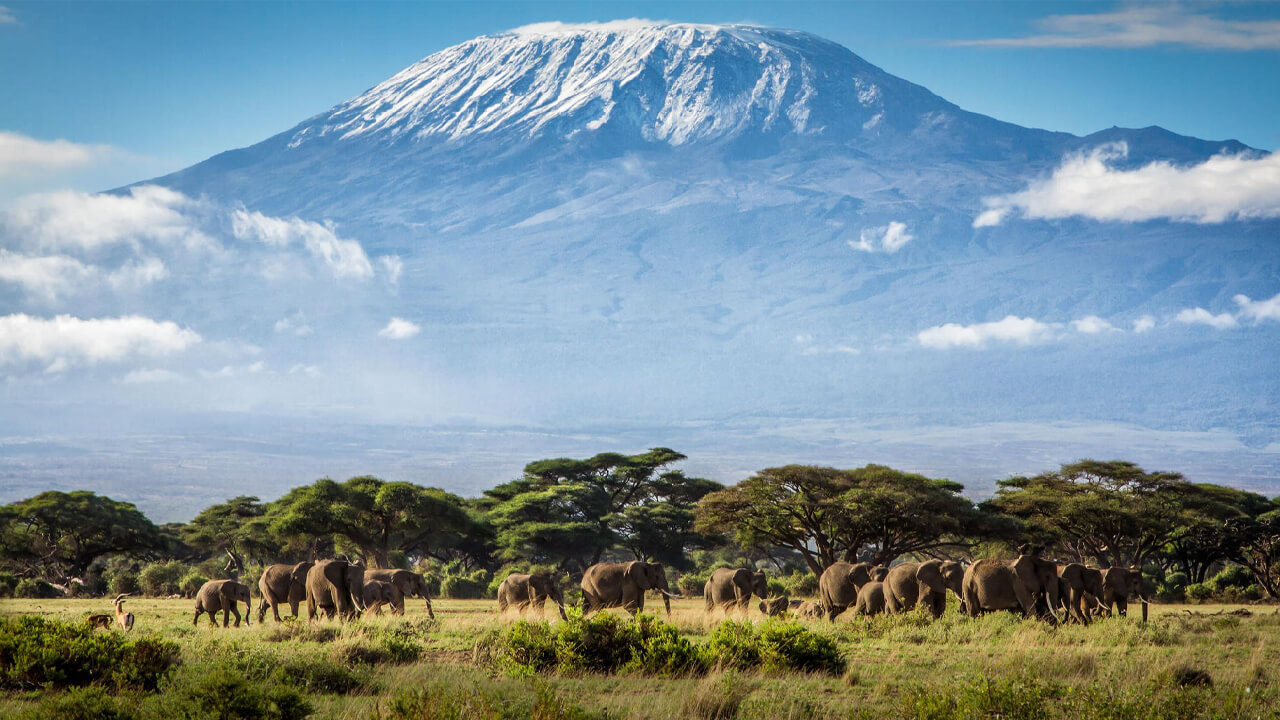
x=35, y=588
x=692, y=584
x=214, y=692
x=1199, y=592
x=717, y=698
x=799, y=584
x=190, y=583
x=1232, y=576
x=775, y=646
x=123, y=582
x=604, y=643
x=161, y=578
x=8, y=582
x=36, y=652
x=88, y=703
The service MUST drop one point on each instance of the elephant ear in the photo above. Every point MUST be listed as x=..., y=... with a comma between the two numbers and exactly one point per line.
x=639, y=573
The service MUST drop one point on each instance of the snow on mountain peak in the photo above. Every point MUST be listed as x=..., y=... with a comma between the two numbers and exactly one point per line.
x=672, y=83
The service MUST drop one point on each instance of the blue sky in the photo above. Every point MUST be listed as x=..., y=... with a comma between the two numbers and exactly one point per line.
x=166, y=85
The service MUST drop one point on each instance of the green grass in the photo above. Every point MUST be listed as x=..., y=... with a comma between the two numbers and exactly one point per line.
x=899, y=667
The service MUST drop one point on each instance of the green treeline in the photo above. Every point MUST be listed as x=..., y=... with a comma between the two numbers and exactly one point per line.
x=1192, y=540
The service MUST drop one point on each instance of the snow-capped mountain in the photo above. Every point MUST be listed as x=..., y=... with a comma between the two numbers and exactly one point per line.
x=670, y=228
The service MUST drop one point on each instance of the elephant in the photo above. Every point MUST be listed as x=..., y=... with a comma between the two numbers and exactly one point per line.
x=879, y=573
x=733, y=587
x=282, y=584
x=609, y=585
x=808, y=609
x=994, y=585
x=408, y=584
x=870, y=599
x=773, y=607
x=1118, y=585
x=522, y=591
x=839, y=585
x=910, y=583
x=222, y=595
x=1079, y=586
x=332, y=588
x=1040, y=578
x=377, y=593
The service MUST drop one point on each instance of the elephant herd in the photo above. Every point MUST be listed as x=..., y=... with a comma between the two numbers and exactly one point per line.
x=1028, y=585
x=335, y=588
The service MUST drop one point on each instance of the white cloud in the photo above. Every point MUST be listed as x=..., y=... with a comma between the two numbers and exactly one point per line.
x=153, y=375
x=22, y=156
x=295, y=324
x=1141, y=27
x=7, y=17
x=308, y=370
x=1222, y=188
x=1143, y=324
x=345, y=258
x=1012, y=329
x=1259, y=310
x=1093, y=325
x=886, y=238
x=399, y=329
x=73, y=220
x=53, y=276
x=1200, y=316
x=66, y=340
x=44, y=277
x=393, y=266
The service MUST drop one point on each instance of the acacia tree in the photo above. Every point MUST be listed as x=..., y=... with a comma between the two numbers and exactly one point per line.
x=1204, y=535
x=1258, y=547
x=237, y=527
x=570, y=513
x=1114, y=512
x=374, y=516
x=57, y=535
x=827, y=515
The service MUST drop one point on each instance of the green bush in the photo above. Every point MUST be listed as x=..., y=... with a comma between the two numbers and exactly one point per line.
x=774, y=646
x=191, y=582
x=8, y=582
x=692, y=584
x=35, y=588
x=799, y=584
x=161, y=578
x=35, y=652
x=221, y=692
x=87, y=703
x=1200, y=592
x=604, y=643
x=122, y=583
x=1174, y=588
x=1232, y=576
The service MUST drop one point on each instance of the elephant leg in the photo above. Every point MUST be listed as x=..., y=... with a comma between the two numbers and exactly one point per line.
x=937, y=605
x=236, y=612
x=1122, y=606
x=226, y=616
x=262, y=609
x=196, y=620
x=293, y=607
x=834, y=611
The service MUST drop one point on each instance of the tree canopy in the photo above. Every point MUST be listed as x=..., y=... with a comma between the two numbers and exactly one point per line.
x=58, y=534
x=828, y=515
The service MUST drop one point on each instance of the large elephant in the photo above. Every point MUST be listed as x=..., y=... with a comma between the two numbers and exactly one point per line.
x=993, y=585
x=839, y=585
x=879, y=573
x=870, y=599
x=1118, y=585
x=610, y=585
x=408, y=584
x=335, y=587
x=282, y=584
x=523, y=591
x=1040, y=578
x=1079, y=588
x=223, y=595
x=728, y=588
x=377, y=593
x=911, y=583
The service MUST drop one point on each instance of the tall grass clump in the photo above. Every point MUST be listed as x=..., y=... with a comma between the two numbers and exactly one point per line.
x=444, y=702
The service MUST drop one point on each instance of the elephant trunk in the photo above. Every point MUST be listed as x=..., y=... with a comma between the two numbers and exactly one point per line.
x=430, y=613
x=248, y=609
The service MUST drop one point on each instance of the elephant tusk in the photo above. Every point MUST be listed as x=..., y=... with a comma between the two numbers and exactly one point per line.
x=664, y=592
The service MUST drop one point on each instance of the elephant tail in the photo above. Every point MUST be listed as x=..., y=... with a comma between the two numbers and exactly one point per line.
x=970, y=596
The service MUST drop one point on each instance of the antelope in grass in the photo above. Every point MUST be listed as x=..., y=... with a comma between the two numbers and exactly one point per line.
x=124, y=618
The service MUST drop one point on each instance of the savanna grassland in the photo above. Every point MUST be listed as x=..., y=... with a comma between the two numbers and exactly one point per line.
x=1198, y=661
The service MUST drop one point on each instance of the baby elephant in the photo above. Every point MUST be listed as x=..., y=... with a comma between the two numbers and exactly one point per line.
x=870, y=599
x=377, y=593
x=774, y=607
x=810, y=609
x=222, y=595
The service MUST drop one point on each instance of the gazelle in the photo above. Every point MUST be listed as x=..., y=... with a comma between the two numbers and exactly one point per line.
x=124, y=618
